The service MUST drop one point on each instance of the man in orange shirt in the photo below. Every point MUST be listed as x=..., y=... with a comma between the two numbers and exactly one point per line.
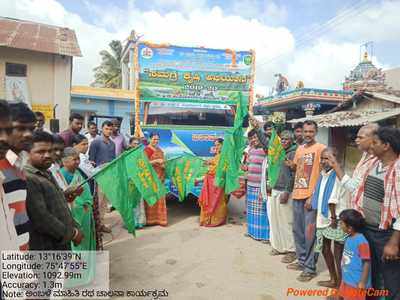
x=306, y=162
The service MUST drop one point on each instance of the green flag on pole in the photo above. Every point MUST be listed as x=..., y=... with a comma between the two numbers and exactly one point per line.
x=276, y=154
x=113, y=182
x=142, y=174
x=228, y=168
x=183, y=171
x=125, y=180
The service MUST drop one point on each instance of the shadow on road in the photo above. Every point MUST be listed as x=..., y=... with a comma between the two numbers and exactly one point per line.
x=179, y=211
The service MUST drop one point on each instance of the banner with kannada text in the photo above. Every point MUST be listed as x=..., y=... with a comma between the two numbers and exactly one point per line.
x=200, y=74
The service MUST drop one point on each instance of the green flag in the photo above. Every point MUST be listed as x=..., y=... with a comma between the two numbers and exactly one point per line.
x=228, y=168
x=276, y=154
x=242, y=110
x=183, y=172
x=177, y=141
x=227, y=172
x=125, y=180
x=142, y=174
x=113, y=181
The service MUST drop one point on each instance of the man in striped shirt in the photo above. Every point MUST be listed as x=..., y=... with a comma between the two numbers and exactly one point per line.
x=257, y=218
x=7, y=228
x=20, y=129
x=378, y=199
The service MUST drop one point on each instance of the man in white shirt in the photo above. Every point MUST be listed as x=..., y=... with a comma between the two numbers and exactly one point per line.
x=329, y=200
x=364, y=141
x=92, y=133
x=58, y=149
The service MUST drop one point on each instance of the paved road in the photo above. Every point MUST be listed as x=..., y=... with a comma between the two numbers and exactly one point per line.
x=199, y=263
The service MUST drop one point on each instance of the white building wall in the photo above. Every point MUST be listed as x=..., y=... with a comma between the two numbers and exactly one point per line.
x=323, y=136
x=48, y=79
x=393, y=78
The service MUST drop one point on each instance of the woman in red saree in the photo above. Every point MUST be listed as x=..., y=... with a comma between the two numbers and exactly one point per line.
x=212, y=200
x=156, y=214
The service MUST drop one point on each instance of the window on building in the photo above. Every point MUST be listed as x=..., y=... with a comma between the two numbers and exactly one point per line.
x=17, y=70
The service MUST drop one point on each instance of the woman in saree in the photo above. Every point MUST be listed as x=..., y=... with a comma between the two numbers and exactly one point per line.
x=82, y=207
x=87, y=169
x=139, y=212
x=82, y=211
x=156, y=214
x=212, y=200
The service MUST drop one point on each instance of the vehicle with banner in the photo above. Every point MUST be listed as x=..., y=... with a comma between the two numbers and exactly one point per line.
x=188, y=95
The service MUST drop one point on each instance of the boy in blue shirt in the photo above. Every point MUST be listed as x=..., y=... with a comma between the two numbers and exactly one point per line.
x=356, y=260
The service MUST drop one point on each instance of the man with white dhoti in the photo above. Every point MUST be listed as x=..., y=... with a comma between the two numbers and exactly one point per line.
x=280, y=209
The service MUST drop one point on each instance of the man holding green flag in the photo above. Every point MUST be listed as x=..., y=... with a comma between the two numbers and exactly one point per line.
x=276, y=155
x=126, y=179
x=281, y=179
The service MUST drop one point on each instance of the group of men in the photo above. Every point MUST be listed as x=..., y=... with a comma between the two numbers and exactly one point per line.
x=103, y=148
x=311, y=178
x=35, y=199
x=35, y=213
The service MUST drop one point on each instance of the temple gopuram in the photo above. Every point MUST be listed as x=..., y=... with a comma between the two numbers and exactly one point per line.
x=365, y=77
x=370, y=100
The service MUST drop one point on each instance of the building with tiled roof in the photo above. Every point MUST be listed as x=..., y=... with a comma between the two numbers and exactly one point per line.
x=341, y=124
x=36, y=66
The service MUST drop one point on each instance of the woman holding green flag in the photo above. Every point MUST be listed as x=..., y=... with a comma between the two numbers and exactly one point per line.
x=82, y=207
x=156, y=214
x=212, y=200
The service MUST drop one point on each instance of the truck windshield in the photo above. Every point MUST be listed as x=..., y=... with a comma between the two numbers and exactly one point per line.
x=172, y=114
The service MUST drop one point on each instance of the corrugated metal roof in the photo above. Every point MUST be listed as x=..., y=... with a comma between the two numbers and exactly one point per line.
x=349, y=118
x=38, y=37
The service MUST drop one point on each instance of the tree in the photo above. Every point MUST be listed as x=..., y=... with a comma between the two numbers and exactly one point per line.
x=108, y=74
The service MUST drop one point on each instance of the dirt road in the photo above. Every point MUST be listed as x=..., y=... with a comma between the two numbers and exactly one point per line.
x=200, y=263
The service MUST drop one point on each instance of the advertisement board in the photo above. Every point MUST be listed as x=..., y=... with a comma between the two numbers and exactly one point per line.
x=193, y=74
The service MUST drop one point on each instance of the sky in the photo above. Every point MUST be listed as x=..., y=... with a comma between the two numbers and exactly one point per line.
x=317, y=42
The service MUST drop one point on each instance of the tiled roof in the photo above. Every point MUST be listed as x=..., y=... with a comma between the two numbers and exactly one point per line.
x=33, y=36
x=385, y=96
x=350, y=118
x=361, y=96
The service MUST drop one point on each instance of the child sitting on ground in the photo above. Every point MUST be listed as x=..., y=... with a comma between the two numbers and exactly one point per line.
x=356, y=261
x=329, y=199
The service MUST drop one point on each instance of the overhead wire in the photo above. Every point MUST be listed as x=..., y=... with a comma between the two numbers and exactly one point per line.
x=351, y=11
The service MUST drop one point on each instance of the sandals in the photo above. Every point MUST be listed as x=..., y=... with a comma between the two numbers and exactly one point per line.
x=306, y=276
x=289, y=258
x=275, y=252
x=295, y=266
